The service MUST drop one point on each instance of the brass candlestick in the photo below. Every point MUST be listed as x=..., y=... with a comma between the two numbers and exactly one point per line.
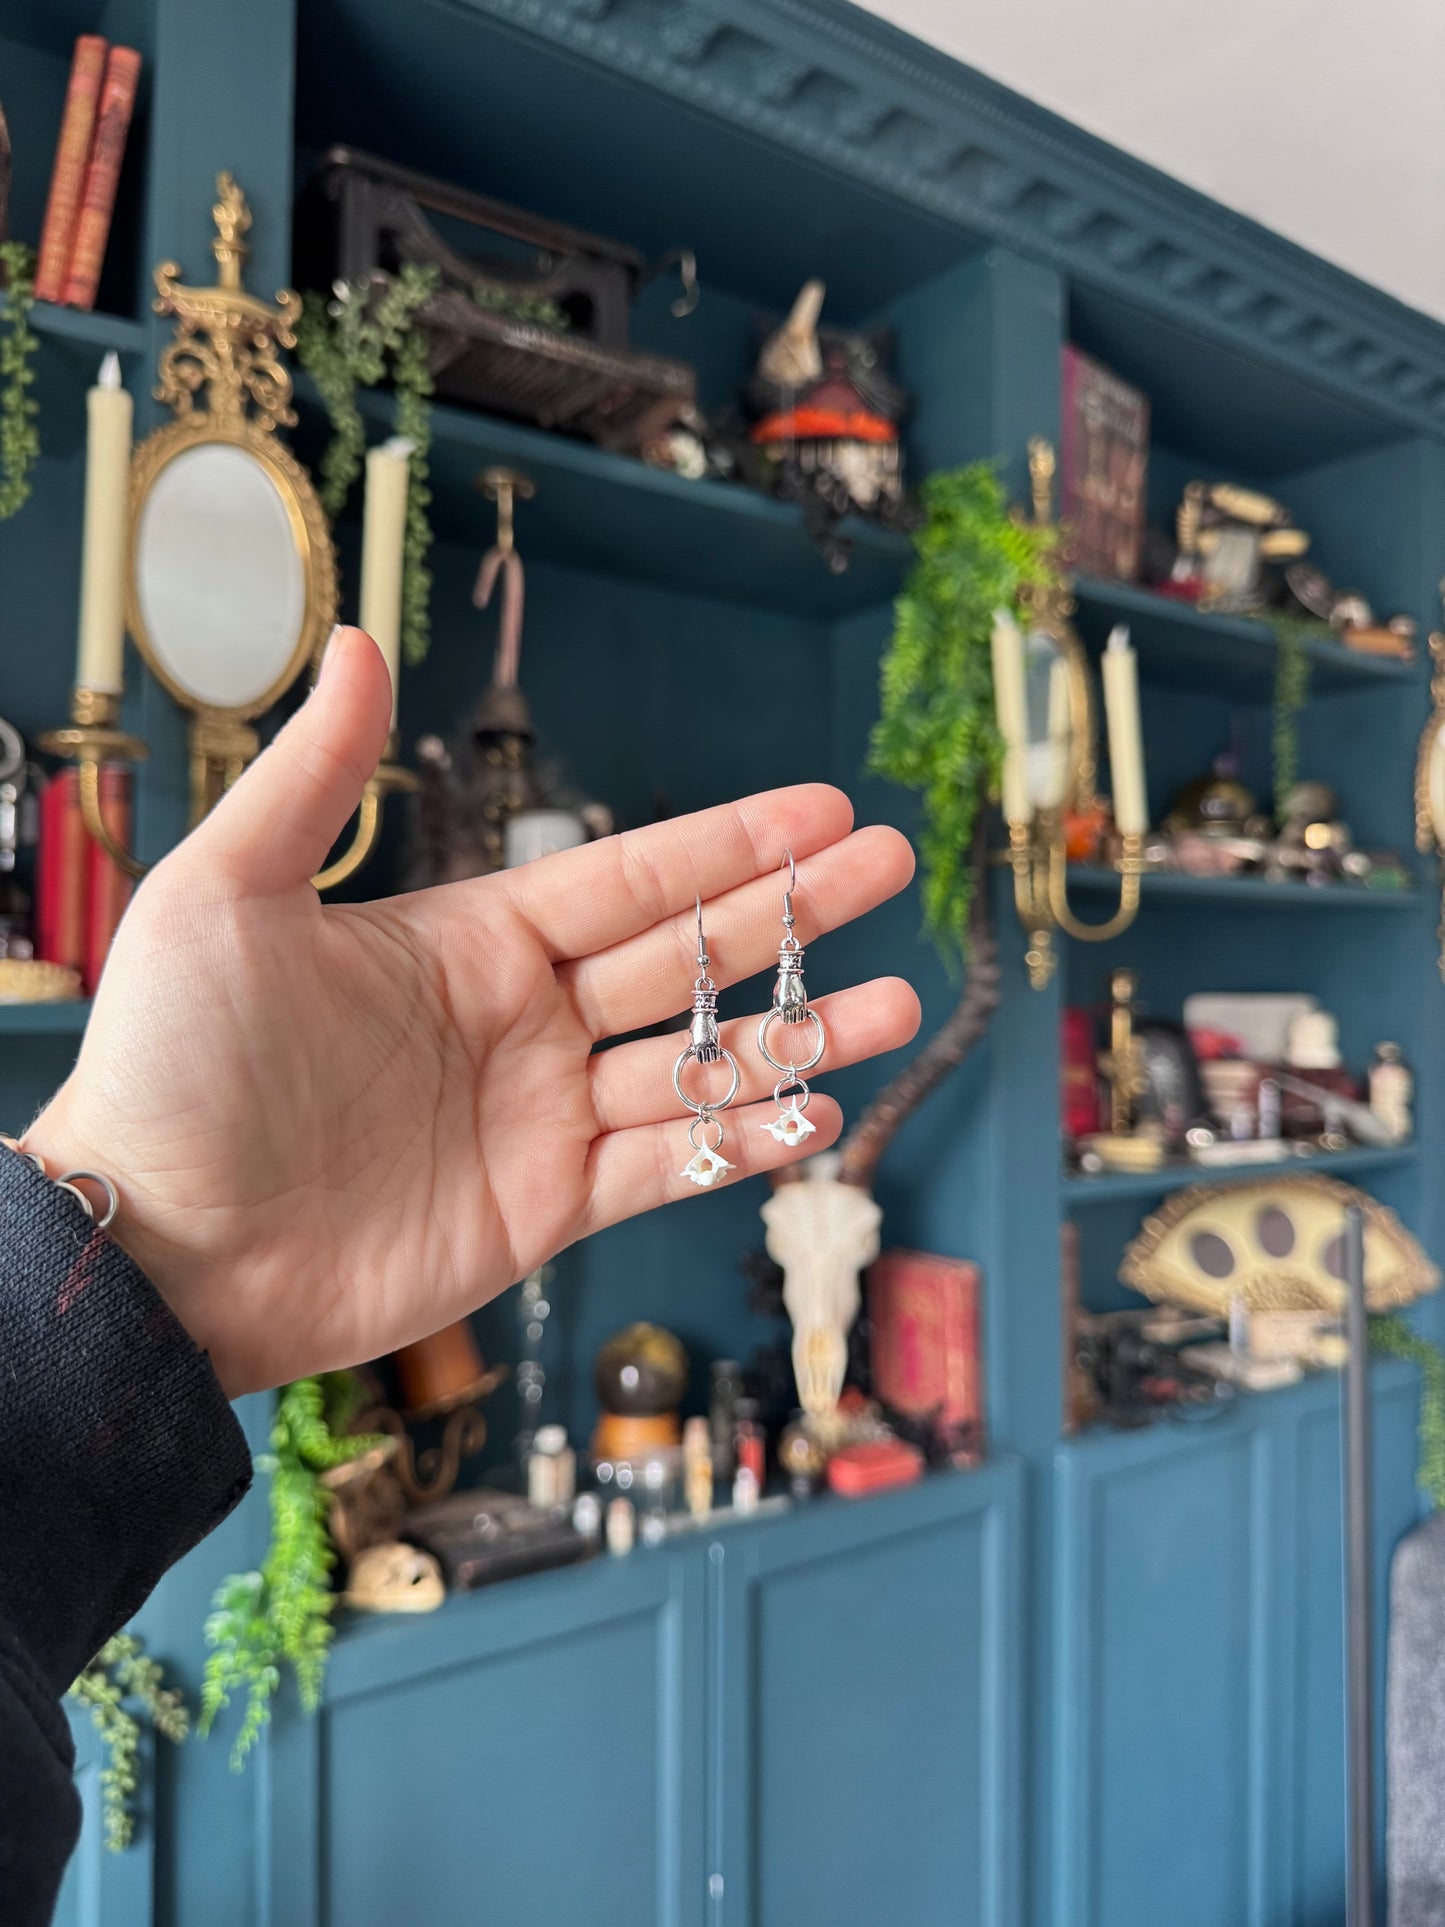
x=388, y=778
x=94, y=739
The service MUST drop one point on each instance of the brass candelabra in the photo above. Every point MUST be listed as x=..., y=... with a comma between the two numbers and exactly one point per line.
x=1039, y=862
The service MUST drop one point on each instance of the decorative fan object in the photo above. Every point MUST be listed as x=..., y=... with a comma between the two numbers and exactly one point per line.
x=1277, y=1244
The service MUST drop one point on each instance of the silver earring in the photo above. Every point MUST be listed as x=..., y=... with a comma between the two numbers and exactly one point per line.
x=707, y=1166
x=790, y=1008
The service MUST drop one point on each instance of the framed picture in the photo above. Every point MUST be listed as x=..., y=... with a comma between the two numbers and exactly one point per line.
x=1104, y=469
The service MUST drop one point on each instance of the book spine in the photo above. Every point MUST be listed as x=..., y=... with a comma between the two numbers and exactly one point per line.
x=60, y=919
x=72, y=155
x=102, y=176
x=107, y=887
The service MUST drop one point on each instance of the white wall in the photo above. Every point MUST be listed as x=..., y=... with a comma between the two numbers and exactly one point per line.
x=1324, y=119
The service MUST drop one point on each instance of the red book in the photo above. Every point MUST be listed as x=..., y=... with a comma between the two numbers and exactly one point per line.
x=107, y=887
x=60, y=907
x=924, y=1312
x=72, y=154
x=102, y=175
x=1103, y=469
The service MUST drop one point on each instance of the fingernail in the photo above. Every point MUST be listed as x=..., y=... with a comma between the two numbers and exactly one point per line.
x=329, y=653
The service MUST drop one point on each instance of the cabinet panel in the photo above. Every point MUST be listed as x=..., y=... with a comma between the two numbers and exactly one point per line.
x=528, y=1758
x=866, y=1712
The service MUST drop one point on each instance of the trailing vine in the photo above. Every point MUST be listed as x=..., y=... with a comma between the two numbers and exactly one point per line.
x=1291, y=693
x=120, y=1673
x=262, y=1621
x=1394, y=1337
x=19, y=436
x=358, y=339
x=936, y=731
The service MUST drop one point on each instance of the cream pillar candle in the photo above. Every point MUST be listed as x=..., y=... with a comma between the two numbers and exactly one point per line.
x=383, y=540
x=1053, y=785
x=100, y=657
x=1011, y=708
x=1126, y=745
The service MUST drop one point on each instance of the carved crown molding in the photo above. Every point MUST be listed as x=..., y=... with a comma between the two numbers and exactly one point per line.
x=834, y=84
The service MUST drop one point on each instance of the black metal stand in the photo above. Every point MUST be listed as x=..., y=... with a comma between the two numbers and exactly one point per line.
x=1359, y=1643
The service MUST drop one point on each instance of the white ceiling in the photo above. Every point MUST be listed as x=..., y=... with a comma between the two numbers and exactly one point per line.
x=1321, y=118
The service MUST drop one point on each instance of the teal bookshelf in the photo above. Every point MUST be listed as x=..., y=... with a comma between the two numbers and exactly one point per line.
x=1097, y=1680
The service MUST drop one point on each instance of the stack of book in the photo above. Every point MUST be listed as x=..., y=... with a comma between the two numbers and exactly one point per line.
x=80, y=894
x=93, y=130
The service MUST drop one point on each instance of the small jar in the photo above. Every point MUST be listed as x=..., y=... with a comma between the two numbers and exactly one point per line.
x=551, y=1468
x=621, y=1524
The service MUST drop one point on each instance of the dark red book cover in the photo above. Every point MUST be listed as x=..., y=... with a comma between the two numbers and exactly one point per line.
x=1103, y=469
x=102, y=176
x=61, y=873
x=72, y=156
x=925, y=1353
x=107, y=887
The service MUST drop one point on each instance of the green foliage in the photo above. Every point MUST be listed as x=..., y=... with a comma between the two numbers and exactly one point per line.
x=261, y=1621
x=19, y=436
x=1291, y=693
x=1394, y=1337
x=520, y=305
x=121, y=1672
x=354, y=342
x=936, y=732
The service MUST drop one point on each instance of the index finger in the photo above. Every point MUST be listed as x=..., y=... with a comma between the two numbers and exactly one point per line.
x=583, y=900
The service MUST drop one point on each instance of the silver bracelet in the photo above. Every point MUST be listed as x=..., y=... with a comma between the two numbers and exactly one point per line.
x=71, y=1181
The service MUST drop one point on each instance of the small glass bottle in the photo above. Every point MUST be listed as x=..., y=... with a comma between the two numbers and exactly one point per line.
x=1392, y=1091
x=749, y=1442
x=621, y=1526
x=727, y=1389
x=697, y=1466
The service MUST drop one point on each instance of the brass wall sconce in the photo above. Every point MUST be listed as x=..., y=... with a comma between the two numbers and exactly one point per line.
x=1044, y=697
x=228, y=570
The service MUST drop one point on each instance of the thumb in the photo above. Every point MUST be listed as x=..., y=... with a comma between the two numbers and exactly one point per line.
x=273, y=828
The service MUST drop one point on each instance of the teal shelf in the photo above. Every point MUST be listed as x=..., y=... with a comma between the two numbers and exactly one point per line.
x=1167, y=886
x=1112, y=1187
x=79, y=332
x=611, y=514
x=44, y=1020
x=1229, y=656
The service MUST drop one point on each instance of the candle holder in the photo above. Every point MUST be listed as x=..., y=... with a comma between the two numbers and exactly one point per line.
x=93, y=740
x=389, y=778
x=1039, y=861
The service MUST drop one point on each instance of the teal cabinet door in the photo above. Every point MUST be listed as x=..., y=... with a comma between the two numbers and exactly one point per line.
x=1199, y=1716
x=529, y=1757
x=103, y=1889
x=864, y=1720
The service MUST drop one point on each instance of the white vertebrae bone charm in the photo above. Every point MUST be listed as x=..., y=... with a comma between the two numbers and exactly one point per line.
x=790, y=1008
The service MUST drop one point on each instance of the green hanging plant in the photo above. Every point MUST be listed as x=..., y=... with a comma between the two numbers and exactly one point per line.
x=354, y=341
x=119, y=1674
x=1394, y=1337
x=936, y=731
x=1291, y=693
x=281, y=1615
x=19, y=436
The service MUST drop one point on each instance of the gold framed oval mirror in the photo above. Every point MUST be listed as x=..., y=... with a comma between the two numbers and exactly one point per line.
x=232, y=580
x=1059, y=696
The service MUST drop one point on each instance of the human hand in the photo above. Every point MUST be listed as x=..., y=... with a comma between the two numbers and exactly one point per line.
x=336, y=1128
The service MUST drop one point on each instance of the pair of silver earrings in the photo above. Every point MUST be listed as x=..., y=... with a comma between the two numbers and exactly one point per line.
x=707, y=1165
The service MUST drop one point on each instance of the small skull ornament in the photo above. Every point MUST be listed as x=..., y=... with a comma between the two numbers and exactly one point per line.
x=393, y=1578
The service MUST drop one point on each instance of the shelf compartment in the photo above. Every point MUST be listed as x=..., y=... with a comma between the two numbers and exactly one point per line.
x=44, y=1020
x=613, y=515
x=1230, y=656
x=1173, y=887
x=86, y=335
x=1113, y=1187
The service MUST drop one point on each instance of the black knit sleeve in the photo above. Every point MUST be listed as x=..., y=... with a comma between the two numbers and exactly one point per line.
x=118, y=1453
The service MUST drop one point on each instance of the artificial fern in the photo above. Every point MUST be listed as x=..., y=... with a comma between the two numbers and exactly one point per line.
x=936, y=731
x=262, y=1621
x=19, y=437
x=1394, y=1337
x=121, y=1672
x=353, y=341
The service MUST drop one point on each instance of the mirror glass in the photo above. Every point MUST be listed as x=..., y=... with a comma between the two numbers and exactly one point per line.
x=1048, y=693
x=220, y=581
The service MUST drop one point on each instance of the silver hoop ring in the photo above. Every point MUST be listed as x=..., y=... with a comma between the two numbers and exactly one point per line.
x=775, y=1016
x=32, y=1158
x=722, y=1103
x=67, y=1182
x=799, y=1103
x=705, y=1118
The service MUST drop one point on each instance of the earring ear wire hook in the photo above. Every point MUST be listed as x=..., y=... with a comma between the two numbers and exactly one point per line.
x=792, y=869
x=702, y=957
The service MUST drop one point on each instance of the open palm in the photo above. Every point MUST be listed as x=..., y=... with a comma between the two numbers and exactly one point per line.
x=335, y=1129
